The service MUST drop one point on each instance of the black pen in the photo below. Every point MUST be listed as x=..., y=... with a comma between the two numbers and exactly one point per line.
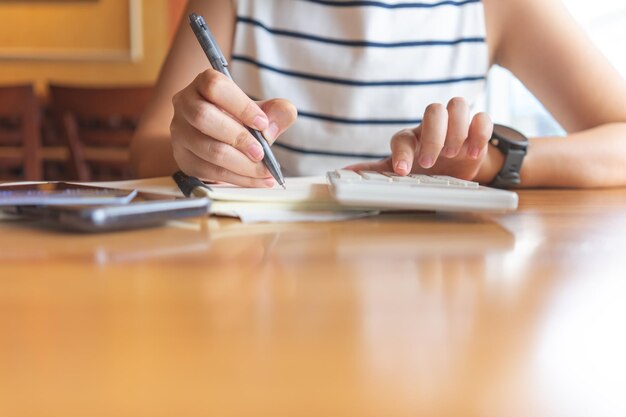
x=219, y=63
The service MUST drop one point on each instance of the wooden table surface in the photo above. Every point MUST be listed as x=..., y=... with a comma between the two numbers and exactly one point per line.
x=521, y=314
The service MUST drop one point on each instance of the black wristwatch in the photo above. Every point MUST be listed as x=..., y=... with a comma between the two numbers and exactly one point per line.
x=513, y=146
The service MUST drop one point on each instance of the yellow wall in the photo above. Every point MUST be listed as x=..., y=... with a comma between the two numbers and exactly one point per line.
x=82, y=42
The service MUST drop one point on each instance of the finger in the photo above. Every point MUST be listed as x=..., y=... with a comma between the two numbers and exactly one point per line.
x=191, y=164
x=211, y=121
x=458, y=127
x=281, y=113
x=433, y=135
x=219, y=153
x=378, y=166
x=480, y=132
x=403, y=148
x=220, y=90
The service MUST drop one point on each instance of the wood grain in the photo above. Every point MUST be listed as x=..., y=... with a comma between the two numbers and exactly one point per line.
x=401, y=315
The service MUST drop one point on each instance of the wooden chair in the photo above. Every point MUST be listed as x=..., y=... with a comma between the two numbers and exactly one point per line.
x=98, y=124
x=20, y=134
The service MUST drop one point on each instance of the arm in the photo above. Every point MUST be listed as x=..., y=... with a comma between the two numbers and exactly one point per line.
x=540, y=43
x=151, y=149
x=196, y=118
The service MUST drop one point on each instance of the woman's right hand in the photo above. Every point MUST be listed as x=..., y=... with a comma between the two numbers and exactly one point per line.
x=209, y=140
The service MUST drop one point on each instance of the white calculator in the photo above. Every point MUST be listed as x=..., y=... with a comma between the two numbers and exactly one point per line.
x=417, y=192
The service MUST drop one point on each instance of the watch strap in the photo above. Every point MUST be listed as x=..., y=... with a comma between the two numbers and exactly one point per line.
x=509, y=175
x=513, y=145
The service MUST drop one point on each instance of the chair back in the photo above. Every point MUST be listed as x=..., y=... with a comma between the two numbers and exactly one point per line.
x=98, y=124
x=20, y=133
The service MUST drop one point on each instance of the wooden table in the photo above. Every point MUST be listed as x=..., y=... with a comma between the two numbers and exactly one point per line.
x=403, y=315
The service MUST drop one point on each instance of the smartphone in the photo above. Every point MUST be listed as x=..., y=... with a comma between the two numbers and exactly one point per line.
x=61, y=193
x=144, y=210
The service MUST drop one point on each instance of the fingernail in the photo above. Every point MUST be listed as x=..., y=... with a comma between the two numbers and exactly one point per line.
x=255, y=151
x=427, y=161
x=271, y=132
x=474, y=152
x=402, y=166
x=260, y=122
x=270, y=182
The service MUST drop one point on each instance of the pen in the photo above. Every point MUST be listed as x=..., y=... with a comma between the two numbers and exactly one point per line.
x=219, y=63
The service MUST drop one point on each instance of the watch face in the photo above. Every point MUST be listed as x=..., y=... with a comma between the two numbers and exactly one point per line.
x=509, y=134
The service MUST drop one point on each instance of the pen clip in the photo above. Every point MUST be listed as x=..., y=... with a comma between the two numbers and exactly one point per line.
x=208, y=42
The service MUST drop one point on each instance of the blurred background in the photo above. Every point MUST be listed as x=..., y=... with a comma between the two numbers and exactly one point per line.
x=76, y=75
x=85, y=41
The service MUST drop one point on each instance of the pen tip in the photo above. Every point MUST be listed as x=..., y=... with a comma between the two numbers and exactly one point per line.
x=283, y=185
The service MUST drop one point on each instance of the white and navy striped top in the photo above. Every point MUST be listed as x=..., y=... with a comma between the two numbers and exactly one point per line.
x=358, y=71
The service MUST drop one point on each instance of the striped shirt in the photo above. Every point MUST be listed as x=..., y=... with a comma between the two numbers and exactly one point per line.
x=357, y=71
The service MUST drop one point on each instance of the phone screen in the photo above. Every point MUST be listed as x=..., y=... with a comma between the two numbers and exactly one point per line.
x=61, y=193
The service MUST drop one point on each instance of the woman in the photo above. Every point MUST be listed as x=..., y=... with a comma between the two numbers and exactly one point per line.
x=364, y=73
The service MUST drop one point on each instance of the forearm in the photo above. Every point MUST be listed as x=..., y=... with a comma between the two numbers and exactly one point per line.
x=151, y=155
x=151, y=149
x=587, y=159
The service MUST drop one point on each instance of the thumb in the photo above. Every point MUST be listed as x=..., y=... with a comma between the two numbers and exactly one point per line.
x=281, y=114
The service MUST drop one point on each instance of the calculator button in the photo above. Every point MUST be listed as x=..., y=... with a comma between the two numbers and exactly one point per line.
x=375, y=176
x=458, y=182
x=403, y=180
x=428, y=180
x=463, y=183
x=345, y=174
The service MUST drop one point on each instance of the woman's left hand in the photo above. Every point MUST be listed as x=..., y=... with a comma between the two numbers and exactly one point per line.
x=446, y=143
